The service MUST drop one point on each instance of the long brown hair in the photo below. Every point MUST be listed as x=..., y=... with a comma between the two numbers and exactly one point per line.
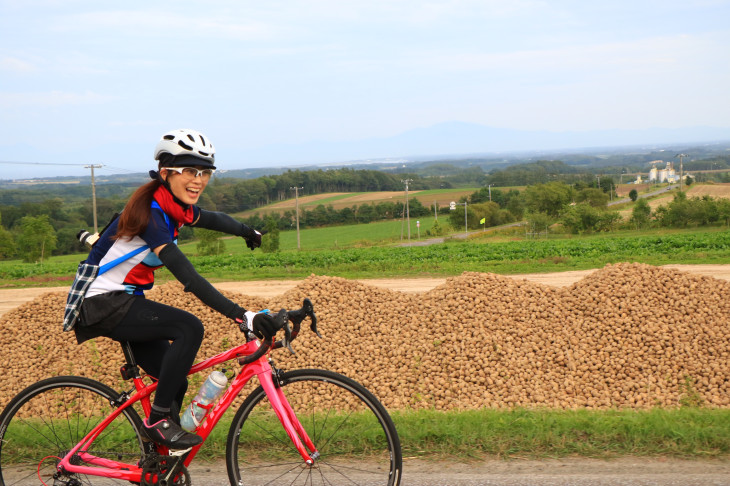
x=136, y=215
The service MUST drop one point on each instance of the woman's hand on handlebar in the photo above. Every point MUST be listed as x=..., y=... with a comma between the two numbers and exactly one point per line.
x=265, y=326
x=262, y=324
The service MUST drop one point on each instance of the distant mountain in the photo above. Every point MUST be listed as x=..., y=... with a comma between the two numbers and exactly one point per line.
x=454, y=138
x=451, y=140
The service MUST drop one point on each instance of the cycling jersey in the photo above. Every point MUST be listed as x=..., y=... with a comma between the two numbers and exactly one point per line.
x=136, y=274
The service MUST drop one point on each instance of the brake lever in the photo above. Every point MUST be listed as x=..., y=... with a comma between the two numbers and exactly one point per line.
x=287, y=337
x=308, y=308
x=313, y=325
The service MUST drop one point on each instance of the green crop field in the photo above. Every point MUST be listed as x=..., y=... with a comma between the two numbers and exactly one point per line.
x=343, y=251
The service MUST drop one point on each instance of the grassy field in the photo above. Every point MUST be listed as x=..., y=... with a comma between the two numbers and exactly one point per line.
x=483, y=252
x=340, y=200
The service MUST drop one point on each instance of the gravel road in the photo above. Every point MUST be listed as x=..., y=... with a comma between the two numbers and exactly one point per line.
x=553, y=472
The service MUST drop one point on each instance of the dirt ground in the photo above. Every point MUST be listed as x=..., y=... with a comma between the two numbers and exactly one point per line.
x=12, y=298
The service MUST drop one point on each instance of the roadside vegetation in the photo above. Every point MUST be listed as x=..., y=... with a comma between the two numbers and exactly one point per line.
x=506, y=252
x=687, y=433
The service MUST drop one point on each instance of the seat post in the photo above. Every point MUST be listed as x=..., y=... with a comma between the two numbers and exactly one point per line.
x=128, y=355
x=130, y=369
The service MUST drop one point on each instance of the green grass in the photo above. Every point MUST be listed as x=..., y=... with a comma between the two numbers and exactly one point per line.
x=688, y=433
x=682, y=432
x=482, y=253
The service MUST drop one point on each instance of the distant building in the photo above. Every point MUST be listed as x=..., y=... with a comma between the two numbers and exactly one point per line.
x=667, y=174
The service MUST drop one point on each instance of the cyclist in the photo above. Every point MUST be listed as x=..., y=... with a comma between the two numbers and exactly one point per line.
x=164, y=339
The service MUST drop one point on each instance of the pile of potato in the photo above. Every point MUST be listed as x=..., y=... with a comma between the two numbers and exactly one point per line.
x=627, y=336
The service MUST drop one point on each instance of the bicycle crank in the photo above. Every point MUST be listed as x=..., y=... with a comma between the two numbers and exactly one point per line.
x=164, y=471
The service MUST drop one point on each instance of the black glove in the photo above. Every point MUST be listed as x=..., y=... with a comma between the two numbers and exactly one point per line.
x=266, y=325
x=252, y=237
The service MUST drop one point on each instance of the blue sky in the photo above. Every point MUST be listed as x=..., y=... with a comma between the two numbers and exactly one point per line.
x=99, y=82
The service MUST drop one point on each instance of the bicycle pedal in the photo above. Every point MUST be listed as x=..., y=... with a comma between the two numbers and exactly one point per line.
x=179, y=452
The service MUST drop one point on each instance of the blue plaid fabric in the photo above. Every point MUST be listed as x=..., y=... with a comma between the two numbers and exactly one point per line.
x=85, y=274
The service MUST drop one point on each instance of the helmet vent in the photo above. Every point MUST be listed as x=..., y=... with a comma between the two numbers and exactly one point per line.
x=169, y=137
x=203, y=140
x=184, y=145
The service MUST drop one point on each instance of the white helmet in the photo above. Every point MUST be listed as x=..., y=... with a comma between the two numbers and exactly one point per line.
x=186, y=142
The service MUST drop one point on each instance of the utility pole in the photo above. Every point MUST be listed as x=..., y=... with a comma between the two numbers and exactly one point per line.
x=93, y=192
x=408, y=213
x=680, y=169
x=296, y=197
x=490, y=192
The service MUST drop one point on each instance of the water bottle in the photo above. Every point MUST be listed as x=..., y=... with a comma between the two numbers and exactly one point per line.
x=203, y=401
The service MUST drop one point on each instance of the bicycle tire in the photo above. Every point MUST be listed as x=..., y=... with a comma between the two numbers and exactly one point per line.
x=50, y=417
x=352, y=430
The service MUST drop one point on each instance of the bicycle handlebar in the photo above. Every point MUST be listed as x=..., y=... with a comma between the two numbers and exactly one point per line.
x=282, y=319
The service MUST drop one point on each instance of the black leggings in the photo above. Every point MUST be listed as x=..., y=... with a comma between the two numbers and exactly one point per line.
x=149, y=327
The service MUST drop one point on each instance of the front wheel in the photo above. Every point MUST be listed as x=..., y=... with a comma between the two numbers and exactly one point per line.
x=353, y=433
x=47, y=419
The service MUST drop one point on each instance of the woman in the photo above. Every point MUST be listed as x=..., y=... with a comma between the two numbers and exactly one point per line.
x=164, y=339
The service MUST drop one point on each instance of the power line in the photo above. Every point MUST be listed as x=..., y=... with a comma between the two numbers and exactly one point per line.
x=37, y=163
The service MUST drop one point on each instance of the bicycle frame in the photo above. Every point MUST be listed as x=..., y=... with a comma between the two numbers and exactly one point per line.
x=259, y=368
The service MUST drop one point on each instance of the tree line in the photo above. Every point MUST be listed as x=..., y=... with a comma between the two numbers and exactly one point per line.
x=33, y=227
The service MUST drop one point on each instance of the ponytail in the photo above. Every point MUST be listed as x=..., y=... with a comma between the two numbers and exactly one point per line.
x=136, y=215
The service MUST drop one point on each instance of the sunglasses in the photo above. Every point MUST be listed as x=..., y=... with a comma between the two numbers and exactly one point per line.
x=192, y=172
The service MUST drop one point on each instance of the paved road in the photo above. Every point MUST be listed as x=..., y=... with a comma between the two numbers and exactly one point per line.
x=553, y=472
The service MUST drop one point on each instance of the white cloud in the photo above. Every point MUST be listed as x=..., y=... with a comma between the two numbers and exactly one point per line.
x=156, y=23
x=15, y=65
x=51, y=99
x=653, y=55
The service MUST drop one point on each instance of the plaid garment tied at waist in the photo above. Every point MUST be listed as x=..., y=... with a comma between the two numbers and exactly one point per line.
x=85, y=274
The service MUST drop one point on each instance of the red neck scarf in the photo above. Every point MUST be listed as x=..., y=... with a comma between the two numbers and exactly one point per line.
x=182, y=215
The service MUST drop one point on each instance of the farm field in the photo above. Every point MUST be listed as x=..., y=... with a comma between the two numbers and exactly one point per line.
x=339, y=200
x=715, y=190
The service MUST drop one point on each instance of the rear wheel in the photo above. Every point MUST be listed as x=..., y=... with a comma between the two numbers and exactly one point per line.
x=353, y=433
x=47, y=419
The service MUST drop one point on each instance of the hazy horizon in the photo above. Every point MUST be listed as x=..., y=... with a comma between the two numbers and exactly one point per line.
x=281, y=82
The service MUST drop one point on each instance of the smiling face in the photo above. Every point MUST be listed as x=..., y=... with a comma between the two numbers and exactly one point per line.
x=187, y=189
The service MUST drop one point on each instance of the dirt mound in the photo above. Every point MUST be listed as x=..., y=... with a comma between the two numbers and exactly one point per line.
x=628, y=335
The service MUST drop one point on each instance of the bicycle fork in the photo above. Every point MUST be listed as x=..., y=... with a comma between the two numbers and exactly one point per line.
x=287, y=417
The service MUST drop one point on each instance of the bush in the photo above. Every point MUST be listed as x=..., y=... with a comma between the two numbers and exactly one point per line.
x=209, y=242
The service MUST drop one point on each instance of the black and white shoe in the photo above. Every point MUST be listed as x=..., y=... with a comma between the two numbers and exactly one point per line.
x=168, y=433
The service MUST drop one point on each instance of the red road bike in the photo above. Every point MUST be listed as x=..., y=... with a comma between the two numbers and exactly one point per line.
x=307, y=426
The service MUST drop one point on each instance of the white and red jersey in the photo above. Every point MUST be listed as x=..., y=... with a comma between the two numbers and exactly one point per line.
x=136, y=274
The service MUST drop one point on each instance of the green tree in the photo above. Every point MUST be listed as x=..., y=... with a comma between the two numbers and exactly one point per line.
x=7, y=243
x=538, y=223
x=36, y=239
x=270, y=241
x=437, y=229
x=641, y=214
x=593, y=196
x=548, y=198
x=584, y=218
x=209, y=242
x=633, y=195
